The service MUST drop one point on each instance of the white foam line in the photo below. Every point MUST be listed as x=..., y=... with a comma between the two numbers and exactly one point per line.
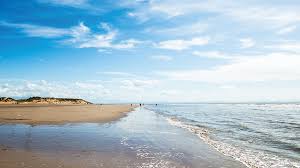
x=252, y=159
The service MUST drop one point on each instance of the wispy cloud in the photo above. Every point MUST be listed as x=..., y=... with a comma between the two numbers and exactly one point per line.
x=247, y=42
x=126, y=44
x=271, y=16
x=164, y=58
x=83, y=37
x=212, y=54
x=251, y=13
x=286, y=30
x=180, y=44
x=138, y=84
x=38, y=31
x=181, y=30
x=271, y=67
x=71, y=3
x=288, y=46
x=79, y=36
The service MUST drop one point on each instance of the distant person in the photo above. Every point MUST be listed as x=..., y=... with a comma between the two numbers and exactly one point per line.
x=100, y=105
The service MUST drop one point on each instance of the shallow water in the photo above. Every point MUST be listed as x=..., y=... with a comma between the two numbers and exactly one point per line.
x=259, y=135
x=142, y=139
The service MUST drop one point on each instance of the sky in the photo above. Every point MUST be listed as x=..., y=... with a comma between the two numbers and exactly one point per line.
x=110, y=51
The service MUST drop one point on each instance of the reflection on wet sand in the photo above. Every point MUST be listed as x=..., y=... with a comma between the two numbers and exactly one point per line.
x=142, y=139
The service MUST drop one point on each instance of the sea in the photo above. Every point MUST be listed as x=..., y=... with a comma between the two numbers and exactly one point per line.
x=257, y=135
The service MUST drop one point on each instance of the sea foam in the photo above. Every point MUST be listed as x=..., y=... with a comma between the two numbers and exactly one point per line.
x=250, y=158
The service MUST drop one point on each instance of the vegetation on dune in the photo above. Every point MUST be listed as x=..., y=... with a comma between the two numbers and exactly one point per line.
x=43, y=100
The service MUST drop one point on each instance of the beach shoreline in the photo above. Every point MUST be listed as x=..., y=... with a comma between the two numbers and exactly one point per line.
x=141, y=139
x=50, y=114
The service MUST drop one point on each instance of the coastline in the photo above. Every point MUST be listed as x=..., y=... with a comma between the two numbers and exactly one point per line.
x=36, y=114
x=142, y=139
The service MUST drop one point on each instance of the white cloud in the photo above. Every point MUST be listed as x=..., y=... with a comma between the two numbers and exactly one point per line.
x=249, y=12
x=79, y=36
x=182, y=30
x=271, y=67
x=26, y=88
x=162, y=58
x=287, y=30
x=179, y=8
x=168, y=9
x=117, y=90
x=142, y=16
x=137, y=84
x=270, y=15
x=183, y=44
x=79, y=32
x=247, y=42
x=37, y=31
x=212, y=54
x=82, y=37
x=286, y=46
x=125, y=44
x=71, y=3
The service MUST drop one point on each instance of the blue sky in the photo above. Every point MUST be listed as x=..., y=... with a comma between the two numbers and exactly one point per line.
x=151, y=50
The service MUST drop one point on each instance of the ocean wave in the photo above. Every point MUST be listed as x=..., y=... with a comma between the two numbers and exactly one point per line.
x=250, y=158
x=263, y=107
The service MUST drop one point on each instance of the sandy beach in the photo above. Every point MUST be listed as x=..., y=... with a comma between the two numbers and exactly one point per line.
x=60, y=114
x=141, y=139
x=33, y=115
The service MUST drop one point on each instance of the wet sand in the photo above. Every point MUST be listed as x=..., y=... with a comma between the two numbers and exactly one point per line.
x=142, y=139
x=82, y=159
x=60, y=114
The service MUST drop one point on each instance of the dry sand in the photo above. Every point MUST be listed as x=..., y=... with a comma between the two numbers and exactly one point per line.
x=59, y=114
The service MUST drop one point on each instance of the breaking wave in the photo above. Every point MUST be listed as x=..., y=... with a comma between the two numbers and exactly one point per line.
x=250, y=158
